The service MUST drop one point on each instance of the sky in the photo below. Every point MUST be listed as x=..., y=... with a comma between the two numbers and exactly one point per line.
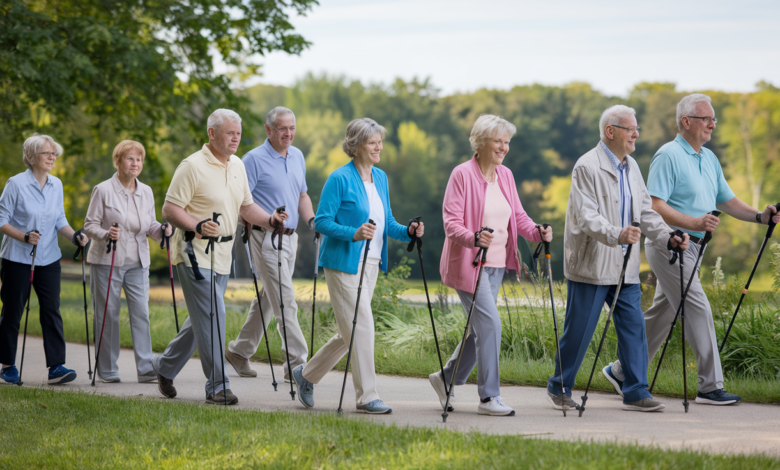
x=465, y=45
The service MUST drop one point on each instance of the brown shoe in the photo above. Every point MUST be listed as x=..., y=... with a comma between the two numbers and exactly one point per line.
x=240, y=363
x=166, y=387
x=221, y=398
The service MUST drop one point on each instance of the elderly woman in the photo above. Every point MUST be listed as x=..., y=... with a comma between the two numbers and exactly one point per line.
x=125, y=201
x=32, y=213
x=482, y=193
x=352, y=195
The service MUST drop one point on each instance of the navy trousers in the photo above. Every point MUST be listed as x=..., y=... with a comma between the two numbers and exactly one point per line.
x=583, y=309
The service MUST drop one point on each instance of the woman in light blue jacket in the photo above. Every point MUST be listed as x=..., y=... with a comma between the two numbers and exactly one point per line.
x=352, y=195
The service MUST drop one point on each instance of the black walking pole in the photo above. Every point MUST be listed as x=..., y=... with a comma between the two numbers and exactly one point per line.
x=245, y=239
x=703, y=244
x=111, y=247
x=354, y=320
x=747, y=286
x=27, y=316
x=212, y=292
x=166, y=243
x=314, y=292
x=626, y=257
x=479, y=261
x=280, y=231
x=81, y=251
x=681, y=257
x=552, y=305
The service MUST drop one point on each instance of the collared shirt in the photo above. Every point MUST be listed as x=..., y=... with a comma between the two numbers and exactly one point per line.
x=201, y=186
x=27, y=207
x=625, y=190
x=690, y=182
x=275, y=180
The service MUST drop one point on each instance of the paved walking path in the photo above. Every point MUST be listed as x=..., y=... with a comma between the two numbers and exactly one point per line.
x=743, y=428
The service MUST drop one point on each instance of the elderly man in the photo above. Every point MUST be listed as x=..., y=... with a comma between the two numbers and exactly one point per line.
x=686, y=183
x=212, y=180
x=277, y=177
x=607, y=195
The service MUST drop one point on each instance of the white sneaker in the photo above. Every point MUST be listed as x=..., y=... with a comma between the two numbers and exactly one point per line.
x=437, y=381
x=494, y=407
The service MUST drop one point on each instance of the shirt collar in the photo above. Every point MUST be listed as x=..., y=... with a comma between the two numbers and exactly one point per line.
x=619, y=166
x=686, y=146
x=272, y=151
x=211, y=158
x=31, y=178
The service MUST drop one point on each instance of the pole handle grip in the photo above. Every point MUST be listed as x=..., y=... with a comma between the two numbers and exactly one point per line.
x=772, y=224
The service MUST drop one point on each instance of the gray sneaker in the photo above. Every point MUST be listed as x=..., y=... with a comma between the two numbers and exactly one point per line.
x=305, y=388
x=568, y=402
x=240, y=363
x=221, y=398
x=645, y=404
x=147, y=378
x=376, y=407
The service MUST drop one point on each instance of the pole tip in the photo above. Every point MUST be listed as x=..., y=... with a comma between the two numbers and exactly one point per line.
x=444, y=417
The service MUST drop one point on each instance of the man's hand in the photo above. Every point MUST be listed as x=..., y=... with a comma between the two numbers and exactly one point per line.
x=364, y=232
x=770, y=212
x=418, y=228
x=208, y=229
x=34, y=238
x=707, y=223
x=675, y=241
x=629, y=235
x=484, y=240
x=278, y=218
x=547, y=234
x=113, y=233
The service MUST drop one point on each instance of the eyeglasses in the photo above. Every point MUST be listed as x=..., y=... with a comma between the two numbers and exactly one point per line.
x=629, y=129
x=706, y=119
x=46, y=154
x=285, y=129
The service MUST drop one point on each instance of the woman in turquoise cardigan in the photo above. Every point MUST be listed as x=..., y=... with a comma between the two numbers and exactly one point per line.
x=352, y=195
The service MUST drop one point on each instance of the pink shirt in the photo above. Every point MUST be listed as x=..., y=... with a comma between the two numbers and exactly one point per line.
x=496, y=216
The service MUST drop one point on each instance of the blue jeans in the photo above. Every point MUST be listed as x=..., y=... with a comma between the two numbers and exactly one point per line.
x=583, y=309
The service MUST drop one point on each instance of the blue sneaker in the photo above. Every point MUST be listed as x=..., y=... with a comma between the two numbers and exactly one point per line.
x=10, y=374
x=305, y=388
x=618, y=384
x=717, y=397
x=60, y=375
x=376, y=407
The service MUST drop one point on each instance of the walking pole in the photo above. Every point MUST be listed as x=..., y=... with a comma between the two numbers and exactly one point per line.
x=703, y=244
x=481, y=253
x=245, y=239
x=280, y=231
x=27, y=316
x=166, y=243
x=747, y=286
x=81, y=251
x=110, y=248
x=354, y=320
x=212, y=292
x=626, y=257
x=552, y=305
x=314, y=294
x=682, y=319
x=418, y=241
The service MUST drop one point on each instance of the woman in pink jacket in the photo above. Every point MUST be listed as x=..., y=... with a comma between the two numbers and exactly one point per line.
x=482, y=193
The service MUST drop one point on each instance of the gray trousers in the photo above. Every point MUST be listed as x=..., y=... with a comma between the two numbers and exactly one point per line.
x=196, y=332
x=483, y=344
x=266, y=261
x=699, y=328
x=135, y=281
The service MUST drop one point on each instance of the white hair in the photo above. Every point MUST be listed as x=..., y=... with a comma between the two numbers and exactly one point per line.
x=488, y=126
x=359, y=131
x=687, y=106
x=611, y=117
x=273, y=115
x=34, y=144
x=218, y=117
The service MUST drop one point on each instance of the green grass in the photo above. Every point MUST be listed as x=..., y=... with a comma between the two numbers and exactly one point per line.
x=50, y=429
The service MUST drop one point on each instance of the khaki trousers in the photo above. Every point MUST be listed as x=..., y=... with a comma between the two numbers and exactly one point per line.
x=343, y=288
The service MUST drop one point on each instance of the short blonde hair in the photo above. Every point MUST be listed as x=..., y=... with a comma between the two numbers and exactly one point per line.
x=488, y=126
x=34, y=144
x=126, y=146
x=358, y=133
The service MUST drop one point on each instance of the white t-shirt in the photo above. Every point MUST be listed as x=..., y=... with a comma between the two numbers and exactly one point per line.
x=377, y=214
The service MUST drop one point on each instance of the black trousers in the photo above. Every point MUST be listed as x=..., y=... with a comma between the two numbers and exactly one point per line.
x=13, y=293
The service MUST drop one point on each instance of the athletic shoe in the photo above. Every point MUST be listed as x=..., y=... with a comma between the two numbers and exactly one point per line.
x=568, y=402
x=61, y=375
x=437, y=381
x=222, y=397
x=717, y=397
x=147, y=378
x=305, y=388
x=240, y=363
x=166, y=387
x=10, y=374
x=110, y=380
x=645, y=404
x=618, y=384
x=494, y=407
x=376, y=407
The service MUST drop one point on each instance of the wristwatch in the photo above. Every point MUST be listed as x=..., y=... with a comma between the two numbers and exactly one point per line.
x=758, y=217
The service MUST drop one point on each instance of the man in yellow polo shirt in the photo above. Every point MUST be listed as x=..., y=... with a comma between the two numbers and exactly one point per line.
x=212, y=180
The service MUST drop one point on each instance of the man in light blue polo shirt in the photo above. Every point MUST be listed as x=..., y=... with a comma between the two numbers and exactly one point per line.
x=686, y=183
x=277, y=177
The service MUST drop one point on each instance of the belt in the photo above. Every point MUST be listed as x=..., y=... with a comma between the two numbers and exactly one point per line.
x=188, y=237
x=695, y=240
x=287, y=231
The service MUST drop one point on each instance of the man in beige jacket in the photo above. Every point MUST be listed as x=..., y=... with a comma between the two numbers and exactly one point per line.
x=607, y=195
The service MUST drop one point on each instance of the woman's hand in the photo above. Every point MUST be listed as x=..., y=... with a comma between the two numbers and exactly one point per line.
x=417, y=228
x=484, y=239
x=168, y=230
x=365, y=232
x=34, y=238
x=113, y=233
x=547, y=234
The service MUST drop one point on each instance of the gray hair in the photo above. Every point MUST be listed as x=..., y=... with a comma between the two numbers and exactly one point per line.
x=358, y=133
x=687, y=106
x=34, y=144
x=273, y=115
x=611, y=116
x=219, y=117
x=488, y=126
